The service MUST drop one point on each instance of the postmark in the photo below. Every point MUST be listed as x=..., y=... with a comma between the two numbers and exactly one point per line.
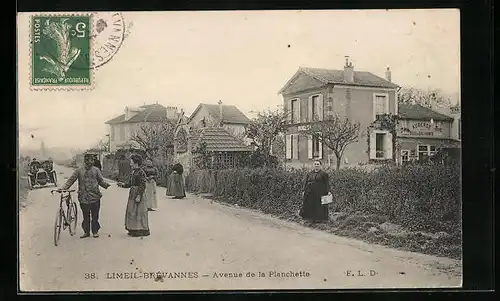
x=60, y=46
x=107, y=37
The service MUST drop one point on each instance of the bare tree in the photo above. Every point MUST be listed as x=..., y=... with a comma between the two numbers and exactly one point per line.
x=264, y=129
x=154, y=138
x=239, y=135
x=425, y=98
x=336, y=133
x=103, y=145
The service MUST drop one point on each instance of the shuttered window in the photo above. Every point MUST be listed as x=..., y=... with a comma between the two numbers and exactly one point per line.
x=295, y=111
x=314, y=147
x=288, y=146
x=380, y=105
x=295, y=146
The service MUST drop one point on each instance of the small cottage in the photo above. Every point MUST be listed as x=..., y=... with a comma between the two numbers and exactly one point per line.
x=209, y=147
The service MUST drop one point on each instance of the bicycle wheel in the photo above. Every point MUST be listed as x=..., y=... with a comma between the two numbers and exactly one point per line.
x=72, y=218
x=57, y=227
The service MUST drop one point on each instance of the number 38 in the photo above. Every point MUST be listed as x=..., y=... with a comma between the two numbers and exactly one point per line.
x=79, y=30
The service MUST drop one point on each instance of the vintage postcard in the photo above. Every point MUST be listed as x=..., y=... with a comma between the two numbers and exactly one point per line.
x=239, y=150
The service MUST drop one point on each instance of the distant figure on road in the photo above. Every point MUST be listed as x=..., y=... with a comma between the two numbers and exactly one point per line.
x=136, y=215
x=150, y=194
x=175, y=182
x=35, y=165
x=89, y=179
x=316, y=185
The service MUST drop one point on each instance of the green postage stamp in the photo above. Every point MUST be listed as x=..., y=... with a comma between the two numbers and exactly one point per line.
x=60, y=51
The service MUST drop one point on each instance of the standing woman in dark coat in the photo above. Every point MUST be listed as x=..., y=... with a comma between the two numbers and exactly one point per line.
x=316, y=185
x=136, y=214
x=175, y=185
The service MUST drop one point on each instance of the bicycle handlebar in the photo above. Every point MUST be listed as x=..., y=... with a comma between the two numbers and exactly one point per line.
x=62, y=191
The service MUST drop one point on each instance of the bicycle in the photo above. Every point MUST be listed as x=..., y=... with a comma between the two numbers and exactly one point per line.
x=64, y=219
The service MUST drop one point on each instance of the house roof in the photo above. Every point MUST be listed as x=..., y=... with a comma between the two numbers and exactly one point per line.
x=218, y=139
x=230, y=113
x=419, y=112
x=148, y=113
x=331, y=76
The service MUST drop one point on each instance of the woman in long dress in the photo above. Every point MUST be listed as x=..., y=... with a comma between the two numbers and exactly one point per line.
x=136, y=214
x=175, y=186
x=316, y=185
x=150, y=194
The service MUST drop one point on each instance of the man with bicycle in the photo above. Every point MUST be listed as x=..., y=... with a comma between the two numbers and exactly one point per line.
x=89, y=179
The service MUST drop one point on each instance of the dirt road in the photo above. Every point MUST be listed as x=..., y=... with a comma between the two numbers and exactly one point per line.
x=197, y=244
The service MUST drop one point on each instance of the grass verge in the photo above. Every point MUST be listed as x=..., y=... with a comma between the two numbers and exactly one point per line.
x=376, y=229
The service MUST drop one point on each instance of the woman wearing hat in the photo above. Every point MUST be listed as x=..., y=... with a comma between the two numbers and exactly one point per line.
x=150, y=193
x=175, y=185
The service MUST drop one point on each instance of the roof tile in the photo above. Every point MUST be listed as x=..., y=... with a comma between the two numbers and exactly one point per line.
x=361, y=78
x=331, y=76
x=150, y=113
x=230, y=113
x=419, y=112
x=219, y=139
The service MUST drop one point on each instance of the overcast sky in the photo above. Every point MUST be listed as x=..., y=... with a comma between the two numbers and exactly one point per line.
x=241, y=58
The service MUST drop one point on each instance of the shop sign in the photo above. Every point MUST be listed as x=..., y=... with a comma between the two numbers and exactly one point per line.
x=421, y=129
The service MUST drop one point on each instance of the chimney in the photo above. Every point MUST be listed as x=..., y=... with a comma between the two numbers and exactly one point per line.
x=348, y=71
x=388, y=74
x=433, y=101
x=127, y=113
x=221, y=116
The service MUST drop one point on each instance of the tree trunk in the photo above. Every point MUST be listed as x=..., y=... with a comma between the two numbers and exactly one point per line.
x=339, y=157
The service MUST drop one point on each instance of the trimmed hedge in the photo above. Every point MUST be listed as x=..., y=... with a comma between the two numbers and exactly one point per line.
x=420, y=198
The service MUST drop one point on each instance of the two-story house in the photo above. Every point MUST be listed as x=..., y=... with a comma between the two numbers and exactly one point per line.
x=229, y=116
x=421, y=132
x=122, y=128
x=358, y=95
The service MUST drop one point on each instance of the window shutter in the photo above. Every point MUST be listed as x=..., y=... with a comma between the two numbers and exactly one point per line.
x=374, y=106
x=320, y=149
x=396, y=103
x=309, y=109
x=320, y=107
x=373, y=151
x=295, y=145
x=288, y=146
x=309, y=147
x=299, y=117
x=289, y=110
x=388, y=147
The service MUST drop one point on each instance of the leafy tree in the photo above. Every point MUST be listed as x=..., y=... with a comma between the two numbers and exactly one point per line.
x=336, y=133
x=422, y=97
